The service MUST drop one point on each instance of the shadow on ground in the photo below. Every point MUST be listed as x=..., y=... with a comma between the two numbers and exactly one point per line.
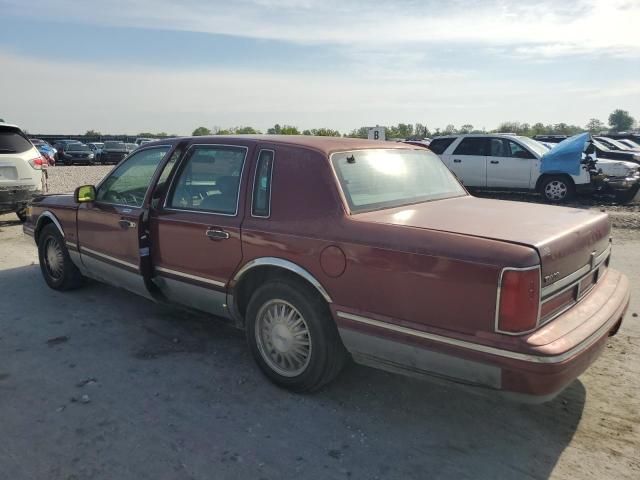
x=176, y=395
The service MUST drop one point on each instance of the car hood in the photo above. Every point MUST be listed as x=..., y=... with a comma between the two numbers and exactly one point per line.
x=566, y=156
x=563, y=237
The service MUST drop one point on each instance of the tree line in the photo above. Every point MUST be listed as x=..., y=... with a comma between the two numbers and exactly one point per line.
x=618, y=121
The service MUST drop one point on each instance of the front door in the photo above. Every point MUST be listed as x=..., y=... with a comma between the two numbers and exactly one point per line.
x=196, y=232
x=108, y=229
x=509, y=164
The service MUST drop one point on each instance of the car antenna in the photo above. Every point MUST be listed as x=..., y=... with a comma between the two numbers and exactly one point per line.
x=351, y=159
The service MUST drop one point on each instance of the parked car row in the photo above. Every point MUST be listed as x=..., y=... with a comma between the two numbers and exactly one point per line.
x=580, y=164
x=320, y=248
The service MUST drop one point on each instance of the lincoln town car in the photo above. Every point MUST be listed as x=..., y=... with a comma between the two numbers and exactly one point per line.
x=326, y=249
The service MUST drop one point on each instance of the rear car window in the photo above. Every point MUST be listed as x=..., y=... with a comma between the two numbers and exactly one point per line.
x=472, y=146
x=260, y=206
x=13, y=140
x=439, y=145
x=385, y=178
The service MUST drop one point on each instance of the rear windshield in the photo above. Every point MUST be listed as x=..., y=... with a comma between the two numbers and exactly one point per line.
x=376, y=179
x=13, y=141
x=114, y=145
x=77, y=147
x=439, y=145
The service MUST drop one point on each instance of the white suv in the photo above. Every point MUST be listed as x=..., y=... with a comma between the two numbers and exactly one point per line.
x=21, y=166
x=508, y=162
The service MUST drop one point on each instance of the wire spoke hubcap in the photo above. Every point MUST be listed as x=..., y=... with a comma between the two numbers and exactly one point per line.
x=54, y=258
x=283, y=338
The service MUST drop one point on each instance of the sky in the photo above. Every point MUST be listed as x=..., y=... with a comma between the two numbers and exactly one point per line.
x=117, y=66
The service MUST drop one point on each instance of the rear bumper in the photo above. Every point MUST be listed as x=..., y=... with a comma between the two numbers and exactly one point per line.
x=13, y=198
x=534, y=369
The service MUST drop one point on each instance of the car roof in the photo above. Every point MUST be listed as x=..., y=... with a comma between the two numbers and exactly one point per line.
x=325, y=145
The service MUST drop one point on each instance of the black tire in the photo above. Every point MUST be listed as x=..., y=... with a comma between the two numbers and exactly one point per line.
x=22, y=214
x=628, y=195
x=326, y=353
x=557, y=189
x=63, y=275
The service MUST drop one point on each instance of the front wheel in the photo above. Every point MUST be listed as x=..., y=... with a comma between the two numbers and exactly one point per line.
x=292, y=336
x=557, y=189
x=57, y=268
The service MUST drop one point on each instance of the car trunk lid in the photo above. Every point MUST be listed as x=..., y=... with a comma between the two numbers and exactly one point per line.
x=566, y=239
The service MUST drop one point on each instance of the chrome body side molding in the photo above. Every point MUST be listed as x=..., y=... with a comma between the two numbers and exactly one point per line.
x=285, y=264
x=52, y=217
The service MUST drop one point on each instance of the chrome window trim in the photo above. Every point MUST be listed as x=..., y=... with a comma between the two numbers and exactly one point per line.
x=126, y=159
x=285, y=264
x=548, y=291
x=108, y=257
x=53, y=218
x=189, y=276
x=186, y=158
x=539, y=359
x=497, y=316
x=255, y=175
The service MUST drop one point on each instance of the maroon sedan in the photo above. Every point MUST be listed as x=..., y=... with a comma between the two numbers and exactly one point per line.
x=323, y=247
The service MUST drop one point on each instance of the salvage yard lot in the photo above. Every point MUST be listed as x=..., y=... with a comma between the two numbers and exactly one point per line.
x=101, y=384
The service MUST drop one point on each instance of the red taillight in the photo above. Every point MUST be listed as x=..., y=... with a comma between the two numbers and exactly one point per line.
x=37, y=162
x=519, y=302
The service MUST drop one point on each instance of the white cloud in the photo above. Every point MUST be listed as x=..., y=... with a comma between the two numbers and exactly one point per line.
x=68, y=97
x=550, y=28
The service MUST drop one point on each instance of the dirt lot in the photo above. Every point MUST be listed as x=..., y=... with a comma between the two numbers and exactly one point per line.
x=101, y=384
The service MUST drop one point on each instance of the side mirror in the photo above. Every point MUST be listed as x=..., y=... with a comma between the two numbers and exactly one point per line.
x=85, y=194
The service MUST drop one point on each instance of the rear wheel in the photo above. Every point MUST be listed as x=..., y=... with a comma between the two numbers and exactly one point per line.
x=292, y=336
x=557, y=189
x=57, y=268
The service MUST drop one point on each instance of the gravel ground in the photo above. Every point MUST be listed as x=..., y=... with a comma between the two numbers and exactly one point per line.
x=65, y=179
x=100, y=384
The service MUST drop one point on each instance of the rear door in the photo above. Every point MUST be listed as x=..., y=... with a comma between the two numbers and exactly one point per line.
x=196, y=230
x=109, y=228
x=469, y=161
x=509, y=164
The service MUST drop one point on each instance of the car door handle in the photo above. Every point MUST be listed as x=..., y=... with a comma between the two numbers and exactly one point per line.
x=217, y=234
x=494, y=161
x=126, y=223
x=457, y=160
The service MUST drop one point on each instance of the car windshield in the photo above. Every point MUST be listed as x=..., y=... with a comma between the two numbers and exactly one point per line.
x=376, y=179
x=114, y=145
x=538, y=148
x=617, y=144
x=601, y=145
x=77, y=147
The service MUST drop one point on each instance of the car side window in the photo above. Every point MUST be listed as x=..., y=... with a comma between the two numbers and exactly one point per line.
x=209, y=180
x=128, y=183
x=439, y=145
x=498, y=148
x=261, y=199
x=472, y=146
x=518, y=151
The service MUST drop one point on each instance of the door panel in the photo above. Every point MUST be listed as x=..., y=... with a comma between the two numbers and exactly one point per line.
x=197, y=245
x=469, y=161
x=109, y=228
x=109, y=245
x=506, y=165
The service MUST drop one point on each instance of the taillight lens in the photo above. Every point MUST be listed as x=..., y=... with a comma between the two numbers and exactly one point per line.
x=519, y=305
x=37, y=162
